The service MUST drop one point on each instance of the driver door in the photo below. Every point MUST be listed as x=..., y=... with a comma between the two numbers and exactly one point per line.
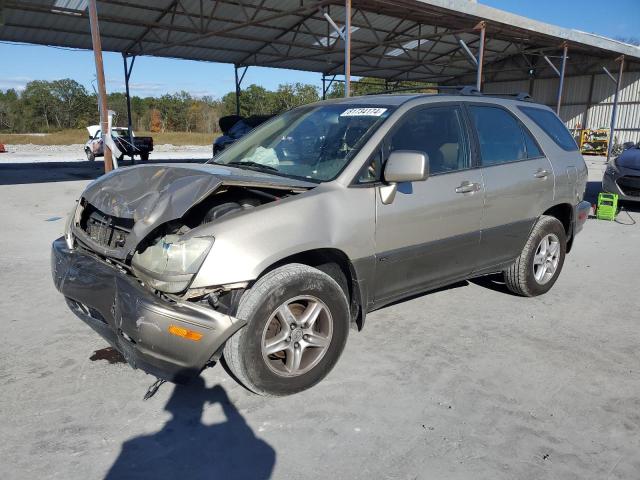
x=429, y=235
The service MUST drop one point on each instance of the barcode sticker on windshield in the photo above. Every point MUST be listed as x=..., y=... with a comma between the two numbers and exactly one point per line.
x=363, y=112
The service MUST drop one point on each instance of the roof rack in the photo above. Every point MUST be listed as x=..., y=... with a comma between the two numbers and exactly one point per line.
x=521, y=96
x=459, y=89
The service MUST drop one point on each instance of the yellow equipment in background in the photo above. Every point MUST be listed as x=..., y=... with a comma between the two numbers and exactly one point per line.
x=594, y=142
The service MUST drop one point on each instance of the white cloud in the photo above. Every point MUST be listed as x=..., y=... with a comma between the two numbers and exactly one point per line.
x=17, y=83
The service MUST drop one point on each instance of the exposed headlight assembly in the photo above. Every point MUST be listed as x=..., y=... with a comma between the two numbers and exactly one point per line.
x=170, y=263
x=72, y=219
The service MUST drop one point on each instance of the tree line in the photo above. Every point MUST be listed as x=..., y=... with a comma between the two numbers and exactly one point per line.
x=47, y=106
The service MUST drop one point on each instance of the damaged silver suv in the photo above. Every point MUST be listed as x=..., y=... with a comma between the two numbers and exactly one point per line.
x=269, y=253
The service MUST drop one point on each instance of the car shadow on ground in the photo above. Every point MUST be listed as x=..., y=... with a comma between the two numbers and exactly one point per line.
x=46, y=172
x=493, y=281
x=187, y=448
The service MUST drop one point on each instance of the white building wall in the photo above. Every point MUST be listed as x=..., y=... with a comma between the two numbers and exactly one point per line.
x=585, y=105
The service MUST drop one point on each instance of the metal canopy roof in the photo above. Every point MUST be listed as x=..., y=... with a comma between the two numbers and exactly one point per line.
x=390, y=39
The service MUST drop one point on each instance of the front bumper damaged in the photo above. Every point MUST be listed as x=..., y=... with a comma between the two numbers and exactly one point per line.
x=134, y=320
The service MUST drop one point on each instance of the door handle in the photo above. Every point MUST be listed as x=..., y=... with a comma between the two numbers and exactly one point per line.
x=468, y=187
x=542, y=173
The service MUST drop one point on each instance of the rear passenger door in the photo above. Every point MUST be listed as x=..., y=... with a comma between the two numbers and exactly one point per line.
x=519, y=182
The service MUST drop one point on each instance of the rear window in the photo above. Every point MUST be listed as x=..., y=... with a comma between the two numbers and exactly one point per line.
x=552, y=126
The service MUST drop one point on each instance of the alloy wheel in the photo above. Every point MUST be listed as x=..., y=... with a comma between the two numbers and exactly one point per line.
x=297, y=336
x=546, y=259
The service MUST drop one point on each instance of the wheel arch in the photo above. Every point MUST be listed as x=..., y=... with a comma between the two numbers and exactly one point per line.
x=324, y=259
x=564, y=213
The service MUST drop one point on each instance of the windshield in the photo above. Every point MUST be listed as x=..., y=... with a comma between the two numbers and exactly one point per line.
x=314, y=142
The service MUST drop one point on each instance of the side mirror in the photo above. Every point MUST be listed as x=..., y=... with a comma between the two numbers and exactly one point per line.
x=406, y=166
x=403, y=166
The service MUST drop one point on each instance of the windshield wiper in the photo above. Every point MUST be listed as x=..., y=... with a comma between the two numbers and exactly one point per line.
x=255, y=165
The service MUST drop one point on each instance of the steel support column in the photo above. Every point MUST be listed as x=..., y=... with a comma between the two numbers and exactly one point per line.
x=127, y=76
x=324, y=87
x=482, y=26
x=565, y=49
x=239, y=79
x=235, y=68
x=347, y=48
x=614, y=113
x=102, y=89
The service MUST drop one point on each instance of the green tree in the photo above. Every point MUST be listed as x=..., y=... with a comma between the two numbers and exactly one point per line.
x=289, y=96
x=40, y=106
x=74, y=106
x=10, y=118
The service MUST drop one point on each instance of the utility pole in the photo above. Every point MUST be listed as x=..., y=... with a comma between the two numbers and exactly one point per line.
x=614, y=112
x=482, y=26
x=102, y=89
x=347, y=48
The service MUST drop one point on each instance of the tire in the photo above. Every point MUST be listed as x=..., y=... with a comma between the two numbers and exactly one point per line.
x=523, y=276
x=144, y=156
x=90, y=156
x=120, y=157
x=244, y=353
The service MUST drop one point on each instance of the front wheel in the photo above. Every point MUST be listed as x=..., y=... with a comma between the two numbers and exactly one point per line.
x=144, y=156
x=537, y=268
x=297, y=326
x=90, y=156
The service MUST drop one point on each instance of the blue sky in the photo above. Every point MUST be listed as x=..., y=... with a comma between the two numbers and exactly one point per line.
x=155, y=76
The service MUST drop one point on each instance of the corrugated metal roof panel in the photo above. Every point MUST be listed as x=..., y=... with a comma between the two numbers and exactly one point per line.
x=254, y=23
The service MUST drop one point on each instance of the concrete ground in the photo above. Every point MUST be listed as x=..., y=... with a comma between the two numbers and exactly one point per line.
x=466, y=382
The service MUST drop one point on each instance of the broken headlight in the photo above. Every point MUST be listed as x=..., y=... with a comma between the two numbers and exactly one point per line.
x=72, y=219
x=170, y=263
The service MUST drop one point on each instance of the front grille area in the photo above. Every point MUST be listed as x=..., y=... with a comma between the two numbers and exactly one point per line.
x=630, y=185
x=105, y=230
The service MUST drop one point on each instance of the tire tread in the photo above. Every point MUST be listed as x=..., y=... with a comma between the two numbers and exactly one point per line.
x=249, y=302
x=516, y=276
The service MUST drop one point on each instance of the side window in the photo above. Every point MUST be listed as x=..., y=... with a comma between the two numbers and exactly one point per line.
x=552, y=126
x=533, y=150
x=500, y=136
x=437, y=131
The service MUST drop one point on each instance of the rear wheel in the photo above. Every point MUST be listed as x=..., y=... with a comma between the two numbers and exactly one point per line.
x=90, y=156
x=537, y=268
x=297, y=325
x=144, y=156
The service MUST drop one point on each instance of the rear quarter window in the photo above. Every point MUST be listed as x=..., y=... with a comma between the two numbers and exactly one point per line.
x=552, y=126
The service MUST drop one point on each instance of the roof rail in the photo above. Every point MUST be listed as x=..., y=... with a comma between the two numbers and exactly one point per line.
x=459, y=89
x=470, y=90
x=521, y=96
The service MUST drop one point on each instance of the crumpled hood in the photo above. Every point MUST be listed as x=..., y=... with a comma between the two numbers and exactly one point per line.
x=155, y=194
x=629, y=159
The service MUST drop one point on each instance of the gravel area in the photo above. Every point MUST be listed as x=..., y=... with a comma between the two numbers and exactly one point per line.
x=30, y=153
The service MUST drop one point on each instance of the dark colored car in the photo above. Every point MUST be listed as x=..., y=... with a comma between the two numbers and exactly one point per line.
x=234, y=127
x=622, y=175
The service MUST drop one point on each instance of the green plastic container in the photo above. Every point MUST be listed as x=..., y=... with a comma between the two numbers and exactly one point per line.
x=607, y=206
